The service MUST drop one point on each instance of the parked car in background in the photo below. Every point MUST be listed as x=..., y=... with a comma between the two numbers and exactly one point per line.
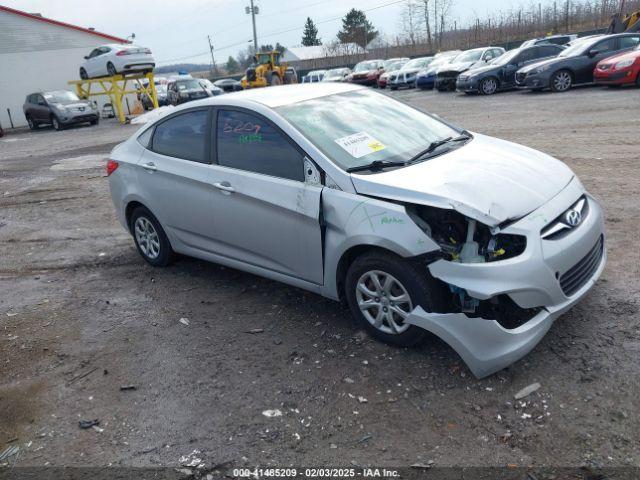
x=314, y=76
x=447, y=74
x=576, y=64
x=336, y=75
x=551, y=39
x=110, y=60
x=367, y=72
x=160, y=84
x=426, y=78
x=210, y=87
x=184, y=89
x=500, y=74
x=390, y=68
x=388, y=62
x=59, y=108
x=406, y=76
x=622, y=69
x=228, y=84
x=419, y=225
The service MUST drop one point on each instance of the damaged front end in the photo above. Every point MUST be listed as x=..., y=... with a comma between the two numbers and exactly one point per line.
x=505, y=281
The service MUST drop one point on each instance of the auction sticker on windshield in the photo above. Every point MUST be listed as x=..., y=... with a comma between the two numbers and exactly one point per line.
x=360, y=144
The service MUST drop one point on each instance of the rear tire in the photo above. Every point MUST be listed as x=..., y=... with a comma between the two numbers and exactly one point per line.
x=561, y=81
x=33, y=125
x=95, y=122
x=151, y=241
x=402, y=285
x=111, y=69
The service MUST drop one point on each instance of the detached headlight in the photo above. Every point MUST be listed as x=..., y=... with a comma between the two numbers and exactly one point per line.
x=541, y=69
x=624, y=64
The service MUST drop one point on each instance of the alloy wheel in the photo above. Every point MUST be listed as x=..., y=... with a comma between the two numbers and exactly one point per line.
x=384, y=302
x=562, y=81
x=489, y=86
x=147, y=237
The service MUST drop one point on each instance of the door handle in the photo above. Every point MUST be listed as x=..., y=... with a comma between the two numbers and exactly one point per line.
x=224, y=186
x=150, y=166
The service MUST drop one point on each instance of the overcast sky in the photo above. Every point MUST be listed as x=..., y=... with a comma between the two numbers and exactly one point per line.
x=176, y=30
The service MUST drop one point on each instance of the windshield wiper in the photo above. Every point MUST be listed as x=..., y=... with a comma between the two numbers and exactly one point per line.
x=464, y=135
x=376, y=165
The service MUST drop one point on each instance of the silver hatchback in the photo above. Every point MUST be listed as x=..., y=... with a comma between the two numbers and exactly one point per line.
x=419, y=225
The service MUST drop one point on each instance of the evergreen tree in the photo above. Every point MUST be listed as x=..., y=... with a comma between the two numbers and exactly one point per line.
x=356, y=29
x=310, y=34
x=232, y=65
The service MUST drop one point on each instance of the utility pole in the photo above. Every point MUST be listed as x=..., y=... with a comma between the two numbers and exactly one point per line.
x=253, y=10
x=213, y=62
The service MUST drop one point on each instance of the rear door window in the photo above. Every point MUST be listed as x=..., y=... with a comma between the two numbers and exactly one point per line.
x=183, y=136
x=248, y=142
x=629, y=42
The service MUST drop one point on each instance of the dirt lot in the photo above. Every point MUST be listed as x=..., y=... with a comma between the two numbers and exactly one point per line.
x=82, y=315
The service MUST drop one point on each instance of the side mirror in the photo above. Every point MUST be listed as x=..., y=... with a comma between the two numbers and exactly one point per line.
x=593, y=53
x=86, y=57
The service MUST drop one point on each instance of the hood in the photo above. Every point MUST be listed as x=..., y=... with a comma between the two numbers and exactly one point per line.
x=456, y=67
x=411, y=71
x=488, y=179
x=548, y=61
x=482, y=69
x=632, y=55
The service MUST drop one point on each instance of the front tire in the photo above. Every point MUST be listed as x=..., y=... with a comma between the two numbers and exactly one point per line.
x=275, y=80
x=382, y=289
x=56, y=123
x=488, y=86
x=151, y=241
x=83, y=74
x=561, y=81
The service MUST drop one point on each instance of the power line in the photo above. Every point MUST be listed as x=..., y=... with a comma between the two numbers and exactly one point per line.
x=272, y=34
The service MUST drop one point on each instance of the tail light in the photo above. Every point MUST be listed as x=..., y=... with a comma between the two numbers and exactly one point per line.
x=124, y=52
x=112, y=165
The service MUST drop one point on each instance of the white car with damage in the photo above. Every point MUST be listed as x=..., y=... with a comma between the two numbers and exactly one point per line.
x=419, y=225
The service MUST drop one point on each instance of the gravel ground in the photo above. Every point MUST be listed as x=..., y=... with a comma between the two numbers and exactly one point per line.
x=82, y=315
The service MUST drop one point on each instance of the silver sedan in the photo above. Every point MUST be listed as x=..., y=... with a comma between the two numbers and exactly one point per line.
x=419, y=225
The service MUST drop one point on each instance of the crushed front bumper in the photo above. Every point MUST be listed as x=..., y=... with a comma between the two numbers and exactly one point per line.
x=532, y=279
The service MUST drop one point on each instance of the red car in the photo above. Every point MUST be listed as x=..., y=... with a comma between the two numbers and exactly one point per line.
x=367, y=72
x=621, y=69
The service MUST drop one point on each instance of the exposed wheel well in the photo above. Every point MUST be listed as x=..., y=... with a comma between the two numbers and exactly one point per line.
x=347, y=259
x=131, y=206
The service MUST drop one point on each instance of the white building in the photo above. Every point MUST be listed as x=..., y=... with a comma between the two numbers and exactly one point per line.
x=296, y=54
x=39, y=54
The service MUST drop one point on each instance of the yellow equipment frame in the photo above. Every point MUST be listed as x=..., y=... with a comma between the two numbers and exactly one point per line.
x=116, y=88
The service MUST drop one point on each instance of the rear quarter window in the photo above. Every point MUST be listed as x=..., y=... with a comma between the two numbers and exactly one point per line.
x=183, y=136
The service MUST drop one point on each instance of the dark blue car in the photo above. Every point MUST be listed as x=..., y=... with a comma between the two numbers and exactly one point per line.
x=426, y=79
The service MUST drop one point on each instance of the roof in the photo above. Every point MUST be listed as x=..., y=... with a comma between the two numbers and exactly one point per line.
x=283, y=95
x=62, y=24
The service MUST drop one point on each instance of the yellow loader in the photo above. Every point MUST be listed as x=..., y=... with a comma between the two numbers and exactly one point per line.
x=267, y=70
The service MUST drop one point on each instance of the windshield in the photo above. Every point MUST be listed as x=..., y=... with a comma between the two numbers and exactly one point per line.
x=417, y=63
x=505, y=58
x=576, y=49
x=188, y=84
x=336, y=72
x=364, y=66
x=346, y=127
x=62, y=97
x=470, y=56
x=395, y=66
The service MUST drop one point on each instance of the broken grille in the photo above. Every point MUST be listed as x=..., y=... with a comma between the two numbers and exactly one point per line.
x=573, y=279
